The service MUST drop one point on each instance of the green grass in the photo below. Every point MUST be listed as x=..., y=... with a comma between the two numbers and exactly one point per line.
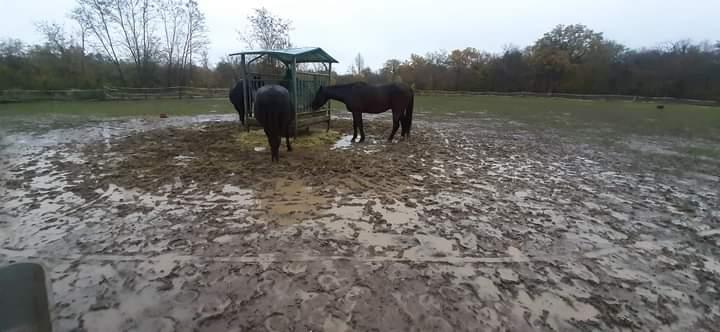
x=559, y=113
x=700, y=151
x=118, y=108
x=608, y=117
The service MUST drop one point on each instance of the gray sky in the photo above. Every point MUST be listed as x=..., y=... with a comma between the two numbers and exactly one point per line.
x=381, y=29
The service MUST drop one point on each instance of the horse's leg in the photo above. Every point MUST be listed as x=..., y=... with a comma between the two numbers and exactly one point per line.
x=362, y=127
x=355, y=125
x=397, y=114
x=277, y=138
x=271, y=142
x=287, y=138
x=404, y=127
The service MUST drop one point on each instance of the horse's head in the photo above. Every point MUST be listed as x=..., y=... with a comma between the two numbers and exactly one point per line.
x=320, y=99
x=256, y=82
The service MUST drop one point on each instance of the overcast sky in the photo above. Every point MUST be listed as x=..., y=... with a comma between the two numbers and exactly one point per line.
x=382, y=29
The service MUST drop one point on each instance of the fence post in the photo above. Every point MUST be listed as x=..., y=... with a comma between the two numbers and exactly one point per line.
x=293, y=94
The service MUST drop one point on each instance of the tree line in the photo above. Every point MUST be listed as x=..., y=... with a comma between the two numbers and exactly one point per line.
x=139, y=43
x=155, y=43
x=568, y=59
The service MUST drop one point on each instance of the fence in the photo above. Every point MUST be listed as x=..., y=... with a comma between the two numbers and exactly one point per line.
x=570, y=96
x=111, y=93
x=176, y=92
x=17, y=95
x=183, y=92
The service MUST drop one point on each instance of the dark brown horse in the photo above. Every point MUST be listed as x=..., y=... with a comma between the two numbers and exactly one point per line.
x=361, y=97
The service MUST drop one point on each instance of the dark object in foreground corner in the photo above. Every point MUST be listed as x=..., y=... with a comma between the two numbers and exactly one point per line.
x=24, y=298
x=660, y=107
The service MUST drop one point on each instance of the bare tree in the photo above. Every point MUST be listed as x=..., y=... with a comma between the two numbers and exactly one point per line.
x=172, y=14
x=184, y=36
x=205, y=59
x=145, y=32
x=82, y=33
x=136, y=24
x=55, y=36
x=359, y=65
x=97, y=17
x=195, y=40
x=267, y=31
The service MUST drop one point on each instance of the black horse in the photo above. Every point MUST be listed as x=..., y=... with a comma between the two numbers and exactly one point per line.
x=274, y=112
x=361, y=97
x=237, y=93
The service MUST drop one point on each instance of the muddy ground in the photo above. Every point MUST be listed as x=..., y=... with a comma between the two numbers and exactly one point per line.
x=476, y=223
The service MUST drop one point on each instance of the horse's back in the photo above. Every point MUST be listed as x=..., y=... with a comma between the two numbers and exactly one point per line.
x=397, y=88
x=272, y=106
x=273, y=98
x=386, y=95
x=386, y=89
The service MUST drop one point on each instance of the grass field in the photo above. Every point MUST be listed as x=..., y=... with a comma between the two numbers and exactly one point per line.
x=117, y=108
x=624, y=116
x=556, y=113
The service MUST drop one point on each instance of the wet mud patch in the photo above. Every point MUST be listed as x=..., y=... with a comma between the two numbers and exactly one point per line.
x=210, y=156
x=472, y=225
x=288, y=202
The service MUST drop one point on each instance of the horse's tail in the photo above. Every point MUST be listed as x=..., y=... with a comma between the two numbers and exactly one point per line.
x=407, y=119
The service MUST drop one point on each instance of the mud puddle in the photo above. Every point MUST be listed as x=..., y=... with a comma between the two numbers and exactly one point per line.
x=343, y=143
x=288, y=202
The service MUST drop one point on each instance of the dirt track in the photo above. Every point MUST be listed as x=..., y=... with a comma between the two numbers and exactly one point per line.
x=476, y=224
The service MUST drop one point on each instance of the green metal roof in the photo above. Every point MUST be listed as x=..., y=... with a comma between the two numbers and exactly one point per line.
x=300, y=54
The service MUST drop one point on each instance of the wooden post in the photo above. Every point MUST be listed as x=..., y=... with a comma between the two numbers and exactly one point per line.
x=243, y=73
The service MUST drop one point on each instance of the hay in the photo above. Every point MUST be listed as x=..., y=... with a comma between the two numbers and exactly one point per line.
x=315, y=138
x=221, y=154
